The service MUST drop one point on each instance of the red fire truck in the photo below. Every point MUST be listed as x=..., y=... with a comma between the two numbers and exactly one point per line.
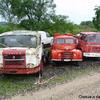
x=89, y=43
x=64, y=48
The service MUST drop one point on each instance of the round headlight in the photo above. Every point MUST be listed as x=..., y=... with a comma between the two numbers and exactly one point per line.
x=59, y=54
x=30, y=65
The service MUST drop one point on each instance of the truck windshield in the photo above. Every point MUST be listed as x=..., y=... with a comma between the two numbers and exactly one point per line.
x=93, y=38
x=65, y=41
x=18, y=41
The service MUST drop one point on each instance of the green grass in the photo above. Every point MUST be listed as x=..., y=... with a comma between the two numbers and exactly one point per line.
x=10, y=85
x=72, y=74
x=13, y=84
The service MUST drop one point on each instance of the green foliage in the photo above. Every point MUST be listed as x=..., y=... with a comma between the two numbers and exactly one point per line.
x=6, y=11
x=40, y=15
x=4, y=28
x=87, y=24
x=9, y=27
x=32, y=13
x=60, y=24
x=84, y=26
x=96, y=19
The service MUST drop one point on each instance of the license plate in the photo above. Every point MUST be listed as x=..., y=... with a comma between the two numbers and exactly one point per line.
x=66, y=59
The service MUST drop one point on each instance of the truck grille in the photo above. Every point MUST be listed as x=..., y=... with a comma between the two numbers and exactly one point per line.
x=67, y=55
x=96, y=49
x=14, y=60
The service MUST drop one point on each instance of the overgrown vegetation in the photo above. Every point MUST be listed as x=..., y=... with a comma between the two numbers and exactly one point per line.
x=10, y=27
x=96, y=19
x=38, y=15
x=11, y=85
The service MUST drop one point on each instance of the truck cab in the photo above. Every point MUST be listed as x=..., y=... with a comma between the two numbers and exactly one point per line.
x=89, y=43
x=45, y=38
x=64, y=48
x=20, y=52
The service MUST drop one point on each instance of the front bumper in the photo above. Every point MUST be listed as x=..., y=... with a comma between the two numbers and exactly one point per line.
x=20, y=70
x=66, y=60
x=91, y=54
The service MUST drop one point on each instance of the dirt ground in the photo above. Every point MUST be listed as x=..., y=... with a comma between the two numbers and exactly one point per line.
x=86, y=87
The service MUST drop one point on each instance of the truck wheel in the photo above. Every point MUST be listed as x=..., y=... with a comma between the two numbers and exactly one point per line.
x=46, y=58
x=76, y=63
x=39, y=74
x=53, y=63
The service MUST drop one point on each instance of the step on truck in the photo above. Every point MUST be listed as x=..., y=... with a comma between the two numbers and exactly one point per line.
x=64, y=48
x=89, y=43
x=20, y=52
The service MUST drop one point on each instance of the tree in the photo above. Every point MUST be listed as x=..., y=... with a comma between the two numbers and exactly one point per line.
x=6, y=11
x=87, y=24
x=36, y=15
x=61, y=24
x=29, y=13
x=96, y=19
x=32, y=13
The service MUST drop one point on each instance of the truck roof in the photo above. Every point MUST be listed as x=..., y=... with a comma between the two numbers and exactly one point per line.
x=64, y=36
x=20, y=32
x=90, y=33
